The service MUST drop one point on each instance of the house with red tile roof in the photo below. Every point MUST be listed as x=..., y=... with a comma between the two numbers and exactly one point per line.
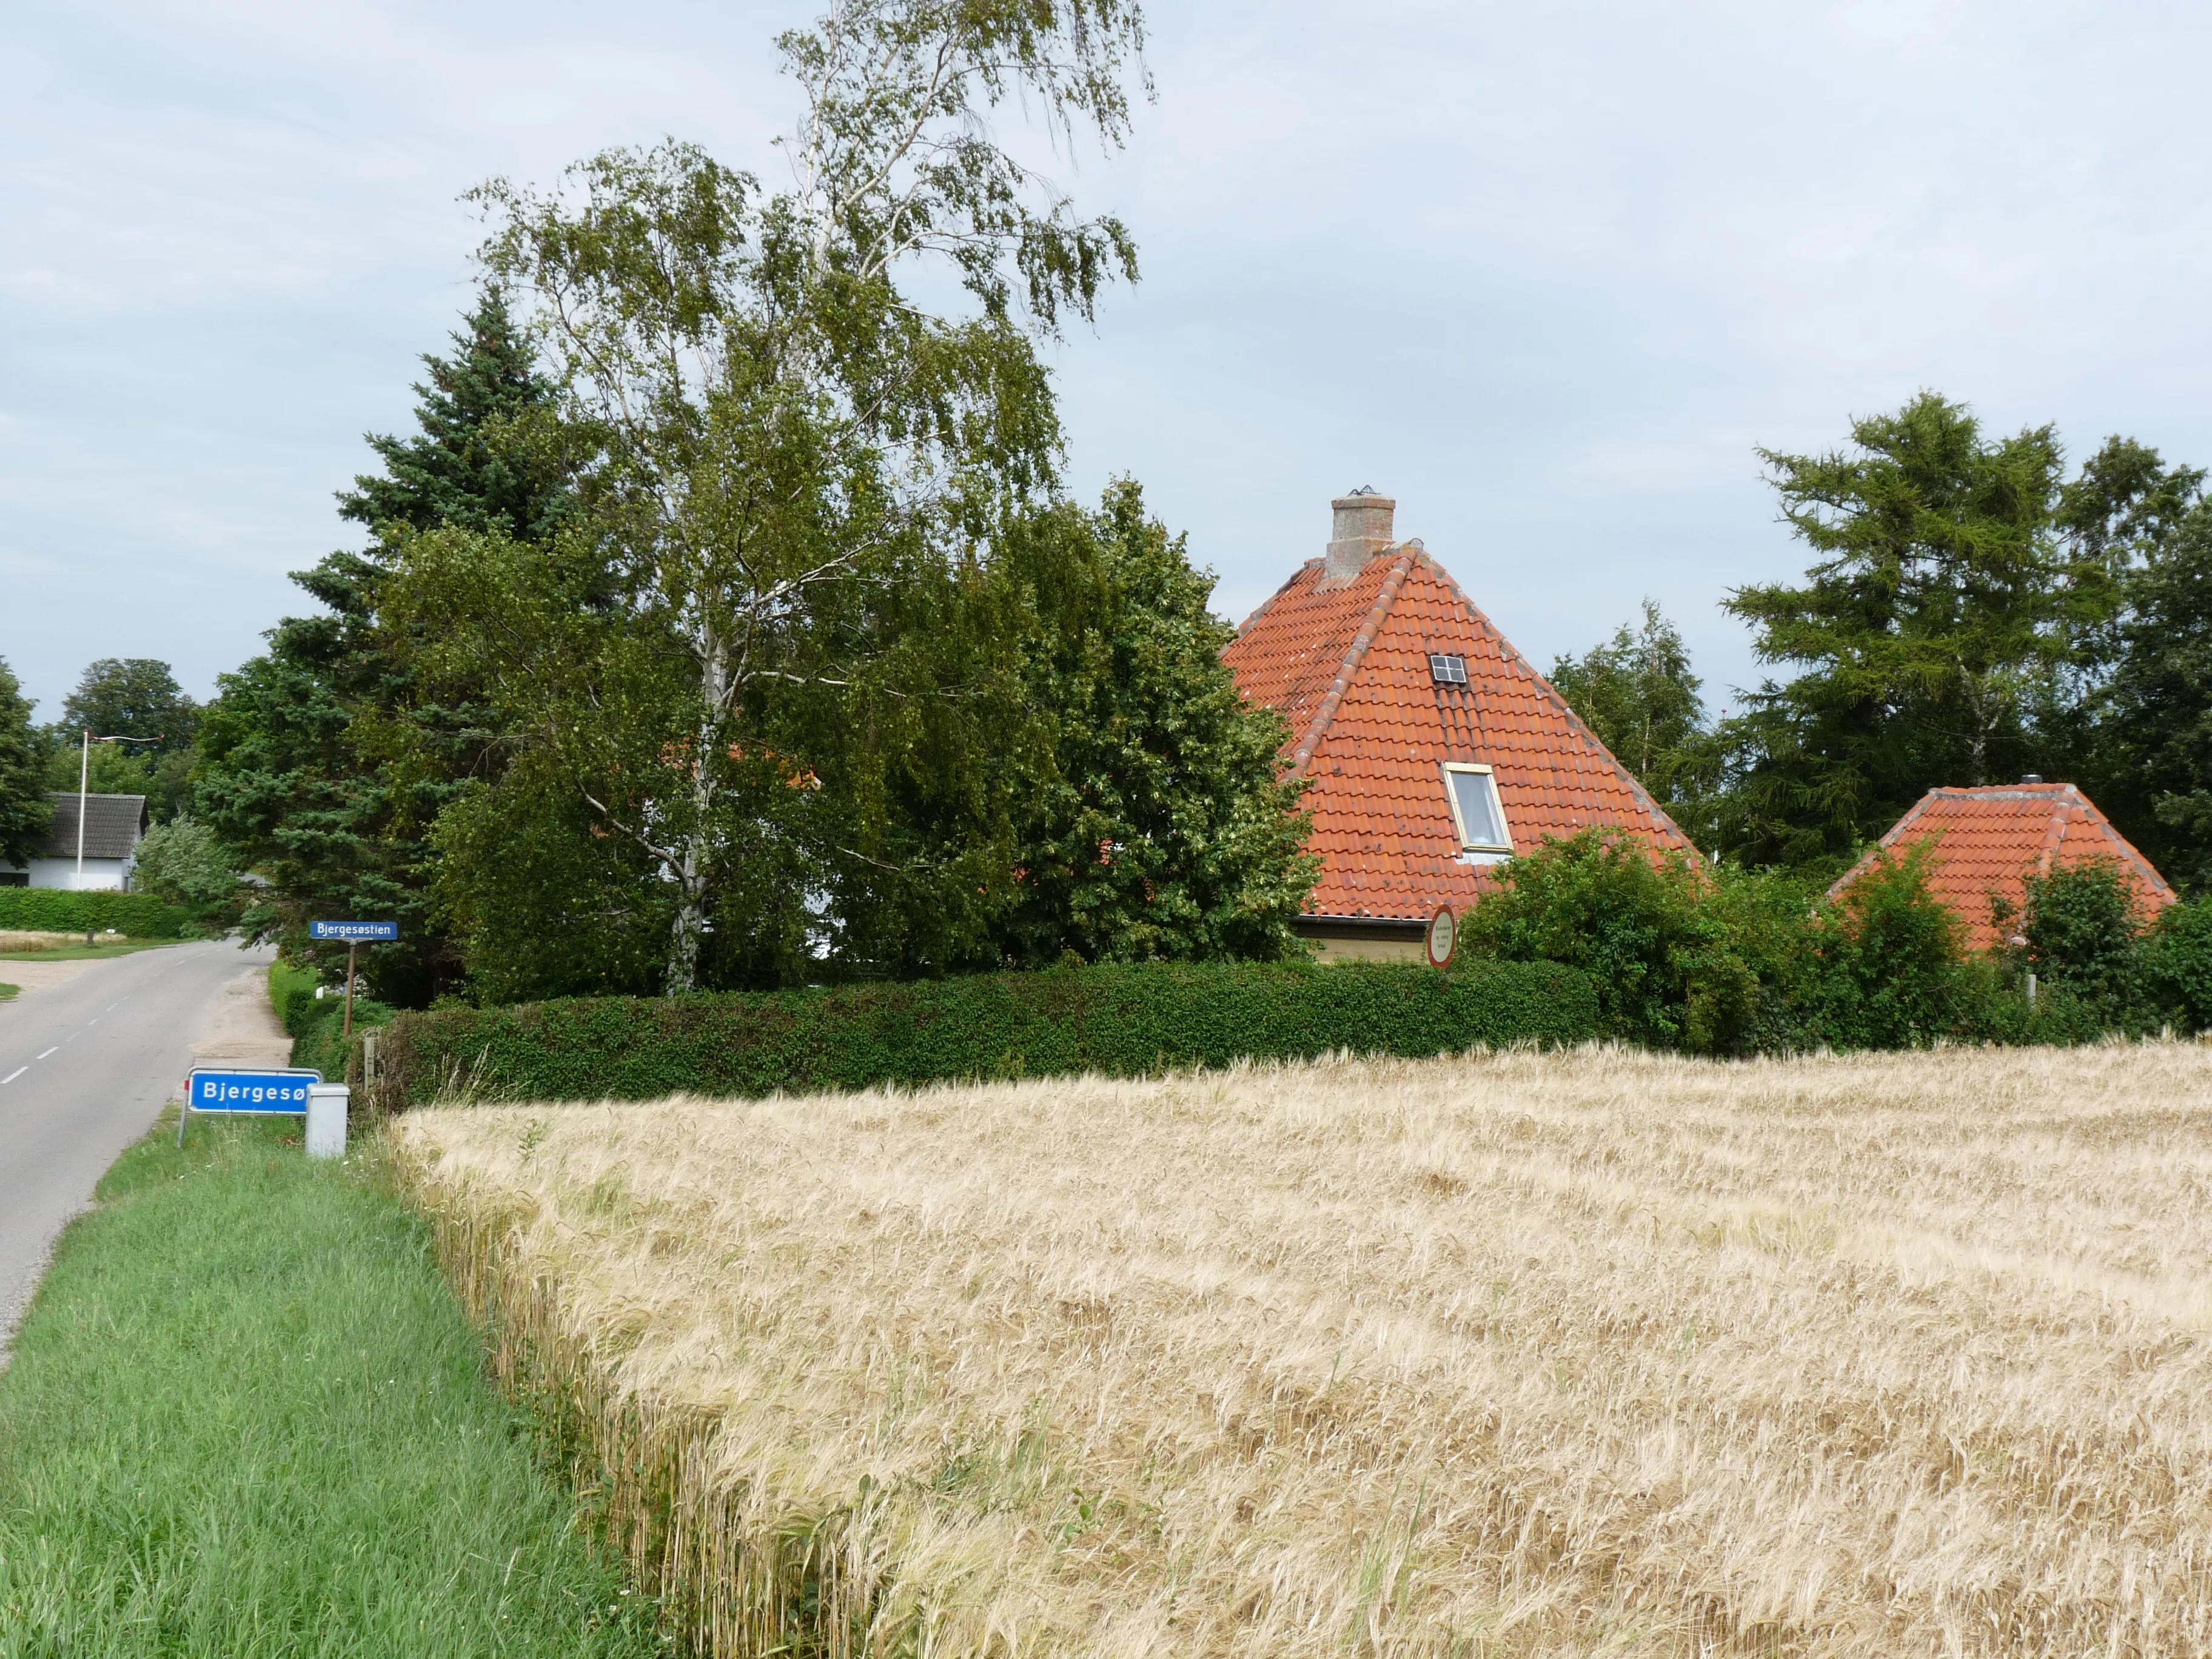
x=1989, y=841
x=1430, y=748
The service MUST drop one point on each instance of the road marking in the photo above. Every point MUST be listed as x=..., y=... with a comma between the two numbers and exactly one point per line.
x=91, y=1023
x=13, y=1075
x=56, y=1049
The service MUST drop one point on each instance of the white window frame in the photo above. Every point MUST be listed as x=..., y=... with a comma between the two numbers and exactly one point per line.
x=1451, y=796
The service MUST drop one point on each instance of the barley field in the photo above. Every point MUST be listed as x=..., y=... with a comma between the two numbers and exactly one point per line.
x=1601, y=1352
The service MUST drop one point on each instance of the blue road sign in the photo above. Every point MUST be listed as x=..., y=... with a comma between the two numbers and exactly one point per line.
x=353, y=932
x=266, y=1093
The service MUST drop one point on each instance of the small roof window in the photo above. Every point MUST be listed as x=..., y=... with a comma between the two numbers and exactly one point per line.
x=1480, y=818
x=1446, y=670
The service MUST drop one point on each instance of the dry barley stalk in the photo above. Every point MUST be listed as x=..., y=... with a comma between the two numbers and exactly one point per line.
x=1518, y=1354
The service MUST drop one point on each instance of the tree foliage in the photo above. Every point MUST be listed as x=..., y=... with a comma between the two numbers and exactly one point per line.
x=758, y=672
x=1160, y=828
x=25, y=812
x=133, y=697
x=2145, y=735
x=1930, y=621
x=1638, y=693
x=184, y=862
x=323, y=761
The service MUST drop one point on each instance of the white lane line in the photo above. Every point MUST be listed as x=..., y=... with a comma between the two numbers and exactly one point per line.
x=91, y=1022
x=13, y=1075
x=56, y=1049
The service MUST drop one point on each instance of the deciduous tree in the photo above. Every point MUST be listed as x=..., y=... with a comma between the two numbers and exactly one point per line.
x=780, y=451
x=1158, y=826
x=1638, y=694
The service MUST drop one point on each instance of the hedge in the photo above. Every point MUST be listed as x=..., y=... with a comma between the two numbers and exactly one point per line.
x=52, y=911
x=1120, y=1021
x=315, y=1022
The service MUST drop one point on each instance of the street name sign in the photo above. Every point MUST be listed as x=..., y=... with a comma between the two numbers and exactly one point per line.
x=353, y=932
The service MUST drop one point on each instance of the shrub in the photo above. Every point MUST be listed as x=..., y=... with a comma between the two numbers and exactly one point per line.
x=2083, y=933
x=317, y=1024
x=1895, y=976
x=1120, y=1020
x=2177, y=965
x=50, y=910
x=1780, y=926
x=1664, y=967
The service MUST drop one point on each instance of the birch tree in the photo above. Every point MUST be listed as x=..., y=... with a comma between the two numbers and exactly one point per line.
x=773, y=435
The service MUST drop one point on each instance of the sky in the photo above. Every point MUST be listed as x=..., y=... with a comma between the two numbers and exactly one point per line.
x=1550, y=276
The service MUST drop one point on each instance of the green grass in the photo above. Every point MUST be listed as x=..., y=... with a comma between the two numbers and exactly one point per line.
x=246, y=1419
x=7, y=991
x=87, y=952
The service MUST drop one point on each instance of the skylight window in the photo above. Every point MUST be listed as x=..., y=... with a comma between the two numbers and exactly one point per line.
x=1475, y=810
x=1446, y=670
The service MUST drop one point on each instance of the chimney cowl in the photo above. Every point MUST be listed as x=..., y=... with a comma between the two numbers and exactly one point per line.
x=1362, y=527
x=2031, y=777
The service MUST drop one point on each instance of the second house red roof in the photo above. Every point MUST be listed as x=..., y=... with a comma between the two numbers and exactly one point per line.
x=1347, y=664
x=1989, y=840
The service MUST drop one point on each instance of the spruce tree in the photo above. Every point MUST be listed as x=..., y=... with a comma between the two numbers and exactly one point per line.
x=324, y=766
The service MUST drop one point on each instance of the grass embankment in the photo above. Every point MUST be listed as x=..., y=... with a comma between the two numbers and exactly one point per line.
x=1884, y=1355
x=245, y=1417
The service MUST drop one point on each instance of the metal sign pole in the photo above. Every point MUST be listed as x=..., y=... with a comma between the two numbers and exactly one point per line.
x=347, y=1034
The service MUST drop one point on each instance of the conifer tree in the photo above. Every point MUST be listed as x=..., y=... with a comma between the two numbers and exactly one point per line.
x=324, y=766
x=25, y=812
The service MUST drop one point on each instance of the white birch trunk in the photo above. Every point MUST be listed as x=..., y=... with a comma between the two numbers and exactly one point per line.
x=692, y=867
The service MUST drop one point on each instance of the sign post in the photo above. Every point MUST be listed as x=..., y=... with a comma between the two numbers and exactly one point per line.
x=354, y=933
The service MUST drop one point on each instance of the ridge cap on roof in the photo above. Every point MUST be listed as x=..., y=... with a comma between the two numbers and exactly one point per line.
x=1324, y=714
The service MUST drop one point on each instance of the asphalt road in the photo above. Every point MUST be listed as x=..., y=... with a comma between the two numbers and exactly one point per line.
x=85, y=1068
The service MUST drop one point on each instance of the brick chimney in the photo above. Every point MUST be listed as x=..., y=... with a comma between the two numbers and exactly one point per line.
x=1361, y=530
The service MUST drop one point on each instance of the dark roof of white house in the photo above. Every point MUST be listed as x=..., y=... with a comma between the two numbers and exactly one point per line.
x=112, y=825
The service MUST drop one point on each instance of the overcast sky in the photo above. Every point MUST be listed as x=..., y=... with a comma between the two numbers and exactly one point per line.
x=1548, y=274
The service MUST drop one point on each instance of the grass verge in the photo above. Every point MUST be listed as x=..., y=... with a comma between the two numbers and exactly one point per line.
x=87, y=952
x=246, y=1417
x=8, y=990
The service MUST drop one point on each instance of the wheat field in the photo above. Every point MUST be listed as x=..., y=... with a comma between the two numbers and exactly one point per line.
x=1600, y=1352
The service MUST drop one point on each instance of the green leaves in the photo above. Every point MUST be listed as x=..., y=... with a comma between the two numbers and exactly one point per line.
x=25, y=812
x=763, y=670
x=1637, y=694
x=1938, y=613
x=1156, y=825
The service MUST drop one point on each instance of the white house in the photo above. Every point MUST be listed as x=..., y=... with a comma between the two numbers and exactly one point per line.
x=113, y=825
